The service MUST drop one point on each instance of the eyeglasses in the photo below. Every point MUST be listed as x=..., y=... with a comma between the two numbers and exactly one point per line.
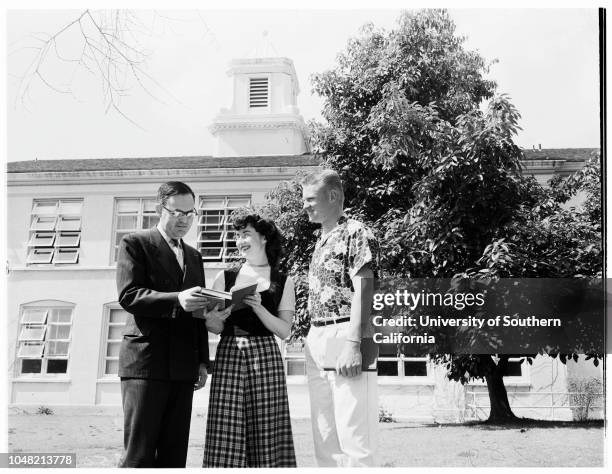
x=179, y=213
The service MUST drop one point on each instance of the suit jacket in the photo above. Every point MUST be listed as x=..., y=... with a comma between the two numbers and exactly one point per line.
x=155, y=344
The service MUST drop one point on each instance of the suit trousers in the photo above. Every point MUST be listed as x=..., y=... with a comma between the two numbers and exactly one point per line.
x=156, y=417
x=343, y=410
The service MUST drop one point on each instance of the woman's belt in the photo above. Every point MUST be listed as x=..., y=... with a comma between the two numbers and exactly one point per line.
x=231, y=330
x=332, y=321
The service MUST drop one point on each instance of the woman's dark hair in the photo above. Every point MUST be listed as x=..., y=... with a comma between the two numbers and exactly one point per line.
x=267, y=228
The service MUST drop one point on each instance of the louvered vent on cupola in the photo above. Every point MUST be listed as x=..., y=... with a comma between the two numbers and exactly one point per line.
x=258, y=92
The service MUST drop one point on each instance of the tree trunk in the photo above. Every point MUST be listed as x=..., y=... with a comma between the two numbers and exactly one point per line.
x=498, y=396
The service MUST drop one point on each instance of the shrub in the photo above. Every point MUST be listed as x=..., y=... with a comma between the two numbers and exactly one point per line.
x=385, y=416
x=584, y=393
x=43, y=410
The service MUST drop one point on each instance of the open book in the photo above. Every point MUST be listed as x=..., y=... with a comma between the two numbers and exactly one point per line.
x=369, y=353
x=226, y=298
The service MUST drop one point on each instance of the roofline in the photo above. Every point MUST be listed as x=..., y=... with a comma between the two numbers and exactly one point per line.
x=154, y=175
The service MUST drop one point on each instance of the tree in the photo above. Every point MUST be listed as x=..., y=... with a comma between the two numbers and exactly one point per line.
x=545, y=240
x=434, y=175
x=107, y=44
x=284, y=206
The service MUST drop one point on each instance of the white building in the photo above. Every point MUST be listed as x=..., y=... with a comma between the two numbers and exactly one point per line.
x=66, y=217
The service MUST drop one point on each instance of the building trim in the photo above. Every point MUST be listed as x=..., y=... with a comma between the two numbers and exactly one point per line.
x=152, y=176
x=74, y=267
x=223, y=124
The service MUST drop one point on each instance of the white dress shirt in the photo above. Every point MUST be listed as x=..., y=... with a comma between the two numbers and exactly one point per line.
x=177, y=249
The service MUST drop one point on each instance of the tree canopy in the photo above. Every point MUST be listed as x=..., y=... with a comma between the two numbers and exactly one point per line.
x=435, y=172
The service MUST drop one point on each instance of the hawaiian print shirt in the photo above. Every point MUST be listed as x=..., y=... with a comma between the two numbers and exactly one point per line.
x=338, y=256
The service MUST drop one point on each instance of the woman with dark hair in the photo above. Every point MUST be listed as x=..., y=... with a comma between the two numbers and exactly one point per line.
x=248, y=411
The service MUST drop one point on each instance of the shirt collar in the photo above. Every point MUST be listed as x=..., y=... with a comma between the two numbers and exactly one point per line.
x=341, y=222
x=166, y=238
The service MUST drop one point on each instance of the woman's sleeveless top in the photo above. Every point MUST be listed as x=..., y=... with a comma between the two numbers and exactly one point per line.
x=245, y=322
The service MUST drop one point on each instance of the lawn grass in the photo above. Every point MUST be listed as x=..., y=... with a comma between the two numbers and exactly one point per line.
x=96, y=436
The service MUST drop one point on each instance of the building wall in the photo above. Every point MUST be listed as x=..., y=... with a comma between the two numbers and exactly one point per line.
x=90, y=287
x=261, y=141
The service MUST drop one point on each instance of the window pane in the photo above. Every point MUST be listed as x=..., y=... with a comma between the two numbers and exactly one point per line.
x=239, y=201
x=211, y=252
x=42, y=239
x=127, y=222
x=112, y=367
x=60, y=315
x=57, y=348
x=149, y=221
x=148, y=205
x=43, y=223
x=63, y=255
x=34, y=315
x=214, y=202
x=45, y=207
x=58, y=332
x=211, y=236
x=69, y=239
x=40, y=255
x=31, y=366
x=513, y=369
x=115, y=333
x=70, y=207
x=387, y=367
x=128, y=205
x=296, y=367
x=388, y=350
x=32, y=333
x=212, y=218
x=69, y=223
x=57, y=366
x=118, y=316
x=112, y=349
x=415, y=368
x=294, y=348
x=30, y=349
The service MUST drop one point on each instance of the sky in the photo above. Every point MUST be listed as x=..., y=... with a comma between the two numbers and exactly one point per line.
x=547, y=62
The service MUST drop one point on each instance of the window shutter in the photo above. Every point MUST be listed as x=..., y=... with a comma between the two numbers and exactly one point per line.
x=258, y=92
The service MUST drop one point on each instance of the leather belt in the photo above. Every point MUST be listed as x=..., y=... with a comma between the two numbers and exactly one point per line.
x=333, y=321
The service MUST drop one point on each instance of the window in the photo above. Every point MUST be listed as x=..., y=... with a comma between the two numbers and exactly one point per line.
x=216, y=240
x=514, y=367
x=115, y=318
x=392, y=364
x=44, y=338
x=258, y=92
x=389, y=363
x=55, y=231
x=132, y=214
x=295, y=363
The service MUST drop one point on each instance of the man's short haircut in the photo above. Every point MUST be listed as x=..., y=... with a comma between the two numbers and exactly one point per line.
x=172, y=188
x=329, y=179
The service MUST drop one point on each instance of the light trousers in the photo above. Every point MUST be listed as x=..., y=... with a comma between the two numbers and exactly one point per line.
x=343, y=410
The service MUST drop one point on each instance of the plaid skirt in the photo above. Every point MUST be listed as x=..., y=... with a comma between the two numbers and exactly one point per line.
x=248, y=411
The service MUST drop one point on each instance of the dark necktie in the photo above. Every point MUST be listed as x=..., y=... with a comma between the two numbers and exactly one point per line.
x=175, y=243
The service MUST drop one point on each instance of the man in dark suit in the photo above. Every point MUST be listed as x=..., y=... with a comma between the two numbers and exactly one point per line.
x=164, y=352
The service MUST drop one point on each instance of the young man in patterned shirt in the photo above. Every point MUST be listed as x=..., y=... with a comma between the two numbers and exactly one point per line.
x=344, y=402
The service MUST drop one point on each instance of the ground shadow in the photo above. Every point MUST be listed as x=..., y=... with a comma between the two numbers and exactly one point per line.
x=524, y=423
x=533, y=423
